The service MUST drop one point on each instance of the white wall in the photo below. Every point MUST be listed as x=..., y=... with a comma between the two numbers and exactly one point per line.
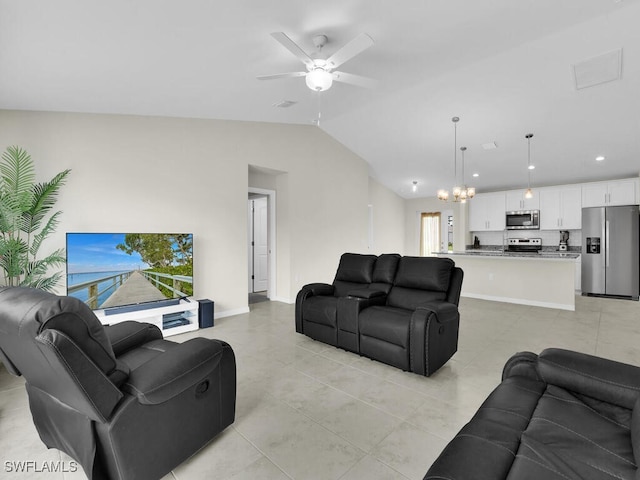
x=132, y=173
x=387, y=229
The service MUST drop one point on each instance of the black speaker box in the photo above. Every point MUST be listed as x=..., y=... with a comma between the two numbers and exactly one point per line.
x=205, y=313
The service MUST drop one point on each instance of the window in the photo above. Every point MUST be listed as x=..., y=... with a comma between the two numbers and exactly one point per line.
x=429, y=234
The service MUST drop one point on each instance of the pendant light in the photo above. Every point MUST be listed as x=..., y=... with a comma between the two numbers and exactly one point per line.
x=465, y=192
x=528, y=193
x=444, y=194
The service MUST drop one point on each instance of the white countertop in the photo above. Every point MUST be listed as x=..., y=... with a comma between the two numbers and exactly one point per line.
x=548, y=255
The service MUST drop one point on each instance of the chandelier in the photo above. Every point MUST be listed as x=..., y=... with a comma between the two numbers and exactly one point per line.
x=459, y=194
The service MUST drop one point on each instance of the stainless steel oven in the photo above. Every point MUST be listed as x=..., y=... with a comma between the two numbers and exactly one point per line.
x=523, y=220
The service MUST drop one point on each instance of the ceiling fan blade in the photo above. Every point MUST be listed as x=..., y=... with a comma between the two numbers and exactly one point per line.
x=352, y=79
x=350, y=50
x=290, y=45
x=281, y=75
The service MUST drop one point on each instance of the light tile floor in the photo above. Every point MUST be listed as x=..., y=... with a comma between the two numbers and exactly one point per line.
x=306, y=410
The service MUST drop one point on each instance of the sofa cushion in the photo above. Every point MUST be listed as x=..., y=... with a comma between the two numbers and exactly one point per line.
x=568, y=439
x=356, y=268
x=410, y=298
x=386, y=268
x=424, y=273
x=386, y=323
x=320, y=310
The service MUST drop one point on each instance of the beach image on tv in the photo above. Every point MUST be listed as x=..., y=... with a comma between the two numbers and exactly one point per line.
x=107, y=270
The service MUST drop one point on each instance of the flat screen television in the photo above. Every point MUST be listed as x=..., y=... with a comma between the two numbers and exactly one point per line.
x=107, y=270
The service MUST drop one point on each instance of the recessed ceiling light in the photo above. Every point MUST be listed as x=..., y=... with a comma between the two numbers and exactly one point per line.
x=476, y=174
x=599, y=158
x=531, y=167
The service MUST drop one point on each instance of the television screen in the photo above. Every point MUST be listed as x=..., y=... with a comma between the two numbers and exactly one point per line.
x=107, y=270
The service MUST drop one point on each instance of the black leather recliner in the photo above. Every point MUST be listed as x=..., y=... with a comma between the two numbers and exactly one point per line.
x=415, y=327
x=120, y=400
x=561, y=415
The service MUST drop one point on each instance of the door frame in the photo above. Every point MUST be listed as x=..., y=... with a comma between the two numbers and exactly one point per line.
x=271, y=212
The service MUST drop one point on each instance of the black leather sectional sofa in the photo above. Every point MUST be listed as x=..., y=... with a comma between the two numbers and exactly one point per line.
x=561, y=415
x=402, y=311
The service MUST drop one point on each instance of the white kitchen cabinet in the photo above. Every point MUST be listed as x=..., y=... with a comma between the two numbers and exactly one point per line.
x=487, y=212
x=515, y=200
x=615, y=192
x=561, y=208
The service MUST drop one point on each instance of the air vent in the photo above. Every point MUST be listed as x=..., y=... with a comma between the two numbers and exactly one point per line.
x=598, y=70
x=284, y=104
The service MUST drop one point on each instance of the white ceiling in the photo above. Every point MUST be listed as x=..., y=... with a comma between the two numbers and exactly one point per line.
x=503, y=66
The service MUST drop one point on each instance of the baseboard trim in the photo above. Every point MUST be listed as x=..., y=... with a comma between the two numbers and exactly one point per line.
x=283, y=300
x=232, y=312
x=521, y=301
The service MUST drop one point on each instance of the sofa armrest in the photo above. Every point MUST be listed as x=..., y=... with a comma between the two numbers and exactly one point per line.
x=433, y=336
x=124, y=336
x=174, y=371
x=79, y=382
x=444, y=311
x=366, y=293
x=599, y=378
x=309, y=290
x=319, y=289
x=522, y=364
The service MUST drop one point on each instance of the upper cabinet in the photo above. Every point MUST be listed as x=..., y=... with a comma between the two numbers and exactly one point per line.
x=616, y=192
x=487, y=212
x=561, y=208
x=515, y=200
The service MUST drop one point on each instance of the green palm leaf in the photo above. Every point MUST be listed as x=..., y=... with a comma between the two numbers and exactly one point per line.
x=24, y=207
x=44, y=198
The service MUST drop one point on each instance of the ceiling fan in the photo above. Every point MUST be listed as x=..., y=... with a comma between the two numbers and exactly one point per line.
x=320, y=72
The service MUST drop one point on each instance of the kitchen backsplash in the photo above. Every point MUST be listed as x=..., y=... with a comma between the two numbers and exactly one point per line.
x=550, y=238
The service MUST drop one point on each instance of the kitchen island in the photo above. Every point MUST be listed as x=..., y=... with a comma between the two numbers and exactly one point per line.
x=545, y=279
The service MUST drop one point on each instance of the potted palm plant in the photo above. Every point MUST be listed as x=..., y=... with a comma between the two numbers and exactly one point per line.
x=26, y=221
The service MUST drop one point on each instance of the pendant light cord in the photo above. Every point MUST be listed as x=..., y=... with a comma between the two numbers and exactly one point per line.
x=455, y=121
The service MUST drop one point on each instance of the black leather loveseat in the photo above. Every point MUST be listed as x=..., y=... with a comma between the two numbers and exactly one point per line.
x=561, y=415
x=402, y=311
x=120, y=400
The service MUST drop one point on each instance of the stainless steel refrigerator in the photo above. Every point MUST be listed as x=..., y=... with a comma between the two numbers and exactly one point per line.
x=611, y=251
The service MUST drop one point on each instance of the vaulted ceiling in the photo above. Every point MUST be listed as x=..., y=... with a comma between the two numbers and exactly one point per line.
x=505, y=67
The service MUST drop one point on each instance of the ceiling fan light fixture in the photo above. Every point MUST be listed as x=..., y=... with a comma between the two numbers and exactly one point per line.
x=319, y=79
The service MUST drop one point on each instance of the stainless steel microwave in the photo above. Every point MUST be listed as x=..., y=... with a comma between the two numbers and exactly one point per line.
x=523, y=220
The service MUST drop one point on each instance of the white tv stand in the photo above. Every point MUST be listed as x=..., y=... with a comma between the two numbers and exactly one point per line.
x=170, y=319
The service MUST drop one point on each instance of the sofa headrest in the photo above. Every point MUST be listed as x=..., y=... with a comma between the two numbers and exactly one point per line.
x=386, y=267
x=26, y=312
x=355, y=268
x=424, y=273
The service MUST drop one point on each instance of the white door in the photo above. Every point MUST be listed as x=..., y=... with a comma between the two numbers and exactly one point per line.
x=258, y=245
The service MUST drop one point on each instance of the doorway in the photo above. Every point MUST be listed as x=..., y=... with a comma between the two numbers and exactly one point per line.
x=261, y=244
